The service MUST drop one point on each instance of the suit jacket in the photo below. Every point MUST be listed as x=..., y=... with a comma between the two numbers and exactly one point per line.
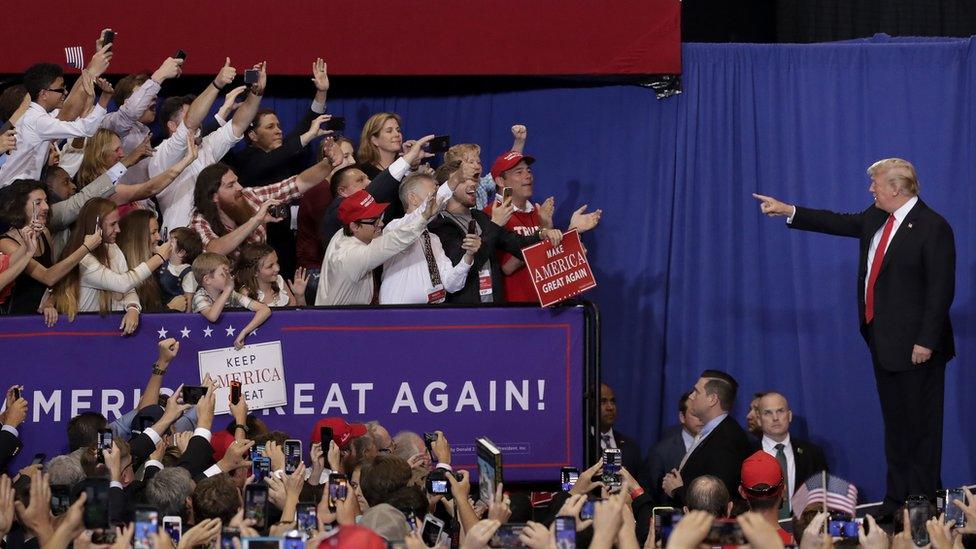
x=664, y=456
x=808, y=459
x=9, y=447
x=914, y=288
x=630, y=453
x=721, y=454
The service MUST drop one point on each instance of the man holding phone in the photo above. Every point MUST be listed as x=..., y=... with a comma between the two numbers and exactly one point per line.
x=12, y=416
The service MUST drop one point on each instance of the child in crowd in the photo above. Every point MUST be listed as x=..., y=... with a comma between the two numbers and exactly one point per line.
x=216, y=290
x=176, y=281
x=257, y=276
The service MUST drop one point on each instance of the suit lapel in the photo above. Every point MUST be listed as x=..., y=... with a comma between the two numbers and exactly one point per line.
x=905, y=231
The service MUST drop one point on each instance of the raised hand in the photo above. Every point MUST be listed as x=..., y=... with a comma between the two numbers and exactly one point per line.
x=100, y=61
x=772, y=207
x=583, y=221
x=299, y=283
x=8, y=141
x=320, y=75
x=546, y=210
x=170, y=68
x=144, y=150
x=226, y=75
x=105, y=86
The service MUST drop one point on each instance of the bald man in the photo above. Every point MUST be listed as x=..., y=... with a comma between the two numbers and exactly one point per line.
x=800, y=460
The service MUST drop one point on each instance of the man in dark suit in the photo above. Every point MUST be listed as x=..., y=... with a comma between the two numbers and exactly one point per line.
x=720, y=446
x=630, y=452
x=906, y=282
x=667, y=453
x=798, y=459
x=12, y=416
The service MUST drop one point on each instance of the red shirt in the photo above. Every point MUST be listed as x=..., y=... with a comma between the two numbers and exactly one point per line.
x=518, y=285
x=309, y=246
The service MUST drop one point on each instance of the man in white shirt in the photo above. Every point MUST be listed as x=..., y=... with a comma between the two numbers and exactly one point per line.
x=136, y=97
x=361, y=246
x=45, y=86
x=423, y=273
x=798, y=459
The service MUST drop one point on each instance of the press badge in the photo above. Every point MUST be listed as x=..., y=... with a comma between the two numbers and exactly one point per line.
x=484, y=281
x=437, y=294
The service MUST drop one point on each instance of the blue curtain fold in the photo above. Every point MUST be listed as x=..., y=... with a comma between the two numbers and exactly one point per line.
x=690, y=275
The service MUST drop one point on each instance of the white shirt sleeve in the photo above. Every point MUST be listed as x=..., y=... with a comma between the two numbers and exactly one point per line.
x=201, y=432
x=122, y=120
x=789, y=220
x=169, y=152
x=362, y=259
x=217, y=144
x=152, y=434
x=453, y=276
x=399, y=168
x=48, y=127
x=11, y=429
x=98, y=276
x=212, y=470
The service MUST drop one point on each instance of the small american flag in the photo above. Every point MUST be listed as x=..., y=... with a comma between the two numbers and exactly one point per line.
x=74, y=56
x=838, y=494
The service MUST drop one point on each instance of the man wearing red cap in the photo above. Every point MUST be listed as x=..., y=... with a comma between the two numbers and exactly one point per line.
x=762, y=487
x=511, y=170
x=361, y=246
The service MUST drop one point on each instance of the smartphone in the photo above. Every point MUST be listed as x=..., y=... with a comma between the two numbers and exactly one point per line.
x=260, y=468
x=565, y=532
x=307, y=518
x=193, y=393
x=256, y=504
x=180, y=54
x=251, y=76
x=60, y=499
x=104, y=443
x=96, y=503
x=227, y=537
x=325, y=434
x=437, y=483
x=842, y=527
x=612, y=463
x=336, y=124
x=665, y=519
x=147, y=524
x=431, y=531
x=506, y=193
x=103, y=536
x=944, y=503
x=439, y=144
x=16, y=393
x=7, y=126
x=39, y=459
x=37, y=208
x=173, y=526
x=429, y=439
x=725, y=532
x=507, y=535
x=235, y=392
x=293, y=455
x=294, y=539
x=108, y=38
x=568, y=477
x=593, y=496
x=473, y=229
x=338, y=489
x=411, y=518
x=918, y=513
x=163, y=235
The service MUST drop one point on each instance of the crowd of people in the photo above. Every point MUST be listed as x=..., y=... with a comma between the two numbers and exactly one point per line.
x=101, y=214
x=173, y=475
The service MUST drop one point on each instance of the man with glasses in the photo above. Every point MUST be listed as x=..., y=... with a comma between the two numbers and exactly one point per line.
x=37, y=127
x=361, y=246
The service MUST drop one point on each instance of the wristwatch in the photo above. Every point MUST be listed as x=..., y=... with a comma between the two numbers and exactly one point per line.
x=241, y=426
x=157, y=371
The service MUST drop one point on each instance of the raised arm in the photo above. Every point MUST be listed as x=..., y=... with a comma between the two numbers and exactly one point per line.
x=98, y=276
x=168, y=349
x=130, y=193
x=226, y=244
x=49, y=276
x=245, y=113
x=820, y=221
x=77, y=100
x=201, y=105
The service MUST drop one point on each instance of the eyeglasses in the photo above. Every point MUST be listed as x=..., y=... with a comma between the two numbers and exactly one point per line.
x=368, y=221
x=62, y=90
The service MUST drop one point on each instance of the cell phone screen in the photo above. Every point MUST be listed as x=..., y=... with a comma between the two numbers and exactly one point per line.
x=918, y=514
x=256, y=504
x=726, y=532
x=952, y=511
x=251, y=76
x=568, y=477
x=664, y=522
x=293, y=455
x=60, y=499
x=565, y=532
x=174, y=528
x=439, y=144
x=306, y=516
x=147, y=524
x=192, y=394
x=325, y=433
x=235, y=392
x=432, y=530
x=96, y=504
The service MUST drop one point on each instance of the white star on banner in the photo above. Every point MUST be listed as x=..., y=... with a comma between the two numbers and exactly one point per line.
x=207, y=331
x=162, y=333
x=255, y=332
x=230, y=331
x=184, y=333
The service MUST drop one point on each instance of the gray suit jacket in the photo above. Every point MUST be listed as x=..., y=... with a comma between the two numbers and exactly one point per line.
x=64, y=213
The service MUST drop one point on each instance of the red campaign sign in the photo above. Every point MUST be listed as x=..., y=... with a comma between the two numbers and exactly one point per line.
x=559, y=272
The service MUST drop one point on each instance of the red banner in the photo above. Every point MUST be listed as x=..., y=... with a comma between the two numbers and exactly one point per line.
x=559, y=272
x=367, y=37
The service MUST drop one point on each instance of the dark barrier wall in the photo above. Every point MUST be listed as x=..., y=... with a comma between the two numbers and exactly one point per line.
x=512, y=374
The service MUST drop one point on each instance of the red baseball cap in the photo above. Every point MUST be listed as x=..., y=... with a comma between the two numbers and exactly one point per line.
x=342, y=432
x=354, y=535
x=762, y=475
x=220, y=441
x=360, y=205
x=508, y=161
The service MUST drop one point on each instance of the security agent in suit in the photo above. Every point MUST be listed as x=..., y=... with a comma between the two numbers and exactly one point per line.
x=798, y=459
x=905, y=288
x=667, y=453
x=720, y=446
x=611, y=438
x=13, y=415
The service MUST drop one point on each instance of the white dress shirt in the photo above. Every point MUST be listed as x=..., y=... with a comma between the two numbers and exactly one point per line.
x=176, y=200
x=125, y=121
x=119, y=279
x=406, y=277
x=34, y=129
x=347, y=268
x=607, y=440
x=769, y=446
x=900, y=215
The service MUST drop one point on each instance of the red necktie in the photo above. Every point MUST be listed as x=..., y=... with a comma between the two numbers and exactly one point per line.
x=875, y=267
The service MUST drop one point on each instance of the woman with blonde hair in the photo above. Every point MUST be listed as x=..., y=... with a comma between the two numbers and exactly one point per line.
x=103, y=280
x=103, y=152
x=380, y=143
x=139, y=240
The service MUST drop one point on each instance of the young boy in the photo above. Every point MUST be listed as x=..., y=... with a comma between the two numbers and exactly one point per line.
x=216, y=290
x=176, y=282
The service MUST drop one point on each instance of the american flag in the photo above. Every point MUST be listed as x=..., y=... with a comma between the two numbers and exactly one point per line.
x=839, y=494
x=74, y=56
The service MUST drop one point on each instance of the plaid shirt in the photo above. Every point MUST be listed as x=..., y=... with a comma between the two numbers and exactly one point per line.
x=286, y=191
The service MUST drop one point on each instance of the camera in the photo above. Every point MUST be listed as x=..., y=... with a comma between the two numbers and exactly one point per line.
x=437, y=483
x=278, y=210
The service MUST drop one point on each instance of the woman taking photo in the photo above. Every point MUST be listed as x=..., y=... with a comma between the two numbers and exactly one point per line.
x=24, y=207
x=380, y=143
x=139, y=239
x=103, y=281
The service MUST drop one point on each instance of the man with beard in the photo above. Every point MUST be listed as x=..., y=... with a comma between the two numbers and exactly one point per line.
x=227, y=215
x=484, y=280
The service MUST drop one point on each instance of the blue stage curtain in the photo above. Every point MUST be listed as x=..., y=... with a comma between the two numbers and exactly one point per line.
x=690, y=275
